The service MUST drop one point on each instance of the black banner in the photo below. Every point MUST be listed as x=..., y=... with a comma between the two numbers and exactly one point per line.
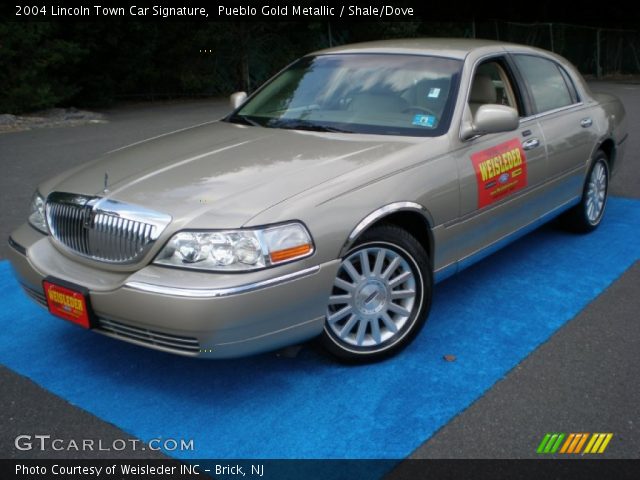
x=313, y=10
x=320, y=469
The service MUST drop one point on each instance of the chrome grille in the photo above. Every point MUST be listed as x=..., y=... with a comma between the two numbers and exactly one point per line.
x=176, y=343
x=103, y=229
x=101, y=236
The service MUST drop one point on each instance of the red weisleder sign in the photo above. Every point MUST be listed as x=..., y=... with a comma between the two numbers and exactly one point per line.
x=500, y=171
x=66, y=303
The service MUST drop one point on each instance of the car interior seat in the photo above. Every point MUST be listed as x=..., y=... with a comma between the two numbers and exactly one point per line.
x=482, y=92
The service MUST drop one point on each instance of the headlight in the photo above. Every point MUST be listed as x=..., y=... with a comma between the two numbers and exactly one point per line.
x=234, y=250
x=36, y=215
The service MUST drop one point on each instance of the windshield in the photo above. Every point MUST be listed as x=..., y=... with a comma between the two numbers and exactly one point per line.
x=358, y=93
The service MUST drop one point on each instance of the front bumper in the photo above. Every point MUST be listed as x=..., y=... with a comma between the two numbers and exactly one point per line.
x=186, y=312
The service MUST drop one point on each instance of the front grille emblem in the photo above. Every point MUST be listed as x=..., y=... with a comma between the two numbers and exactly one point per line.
x=87, y=216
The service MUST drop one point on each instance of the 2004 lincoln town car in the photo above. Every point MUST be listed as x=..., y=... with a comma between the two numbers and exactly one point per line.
x=327, y=204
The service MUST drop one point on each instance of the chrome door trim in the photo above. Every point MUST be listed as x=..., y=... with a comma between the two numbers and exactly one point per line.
x=381, y=212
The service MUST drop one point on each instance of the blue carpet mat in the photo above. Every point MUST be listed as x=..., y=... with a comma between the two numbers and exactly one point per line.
x=490, y=317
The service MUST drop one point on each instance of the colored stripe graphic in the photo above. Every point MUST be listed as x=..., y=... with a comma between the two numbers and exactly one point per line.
x=550, y=443
x=567, y=443
x=543, y=443
x=598, y=443
x=556, y=445
x=574, y=442
x=581, y=442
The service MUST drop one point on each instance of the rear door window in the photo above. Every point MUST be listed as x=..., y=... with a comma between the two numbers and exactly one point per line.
x=546, y=82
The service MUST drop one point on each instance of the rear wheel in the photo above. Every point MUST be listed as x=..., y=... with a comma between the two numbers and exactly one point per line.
x=380, y=298
x=587, y=215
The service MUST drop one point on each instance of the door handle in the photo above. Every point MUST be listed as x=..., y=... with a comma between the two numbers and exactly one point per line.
x=531, y=144
x=586, y=122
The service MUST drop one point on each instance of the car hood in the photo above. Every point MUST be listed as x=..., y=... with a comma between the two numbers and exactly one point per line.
x=219, y=175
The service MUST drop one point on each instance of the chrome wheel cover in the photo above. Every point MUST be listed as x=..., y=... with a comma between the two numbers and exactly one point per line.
x=596, y=193
x=373, y=297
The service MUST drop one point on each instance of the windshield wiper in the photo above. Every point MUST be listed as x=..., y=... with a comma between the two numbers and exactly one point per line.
x=309, y=126
x=243, y=120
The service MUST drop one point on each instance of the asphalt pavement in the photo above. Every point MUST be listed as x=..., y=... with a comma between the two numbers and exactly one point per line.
x=585, y=378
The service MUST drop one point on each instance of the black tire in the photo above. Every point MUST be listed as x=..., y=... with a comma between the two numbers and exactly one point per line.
x=392, y=288
x=587, y=215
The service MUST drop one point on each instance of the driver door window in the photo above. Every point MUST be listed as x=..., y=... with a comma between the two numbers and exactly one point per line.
x=491, y=85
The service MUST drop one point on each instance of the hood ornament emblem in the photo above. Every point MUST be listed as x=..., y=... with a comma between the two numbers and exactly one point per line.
x=106, y=183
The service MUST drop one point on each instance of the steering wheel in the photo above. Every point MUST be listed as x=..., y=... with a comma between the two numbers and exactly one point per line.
x=418, y=109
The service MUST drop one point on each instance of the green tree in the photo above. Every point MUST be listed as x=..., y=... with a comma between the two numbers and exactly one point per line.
x=35, y=66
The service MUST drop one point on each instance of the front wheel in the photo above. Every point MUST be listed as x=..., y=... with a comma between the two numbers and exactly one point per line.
x=381, y=297
x=587, y=215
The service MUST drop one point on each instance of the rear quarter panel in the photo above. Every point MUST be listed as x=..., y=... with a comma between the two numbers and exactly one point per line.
x=612, y=123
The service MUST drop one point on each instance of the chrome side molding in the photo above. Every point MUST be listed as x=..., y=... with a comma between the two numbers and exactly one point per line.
x=221, y=292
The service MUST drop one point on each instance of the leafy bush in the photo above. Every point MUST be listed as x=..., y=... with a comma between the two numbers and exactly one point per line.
x=34, y=66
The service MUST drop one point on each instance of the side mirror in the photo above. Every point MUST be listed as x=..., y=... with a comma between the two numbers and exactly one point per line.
x=492, y=118
x=237, y=99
